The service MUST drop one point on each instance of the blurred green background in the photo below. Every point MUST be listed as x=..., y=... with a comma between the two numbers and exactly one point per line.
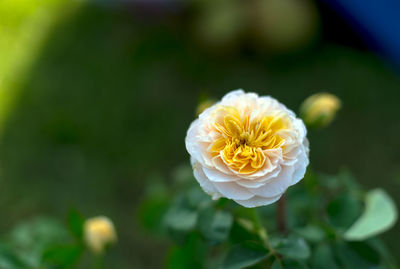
x=96, y=99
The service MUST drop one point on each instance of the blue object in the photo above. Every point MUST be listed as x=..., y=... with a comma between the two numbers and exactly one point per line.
x=378, y=21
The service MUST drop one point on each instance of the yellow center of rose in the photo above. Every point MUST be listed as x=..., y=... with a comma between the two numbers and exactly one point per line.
x=244, y=137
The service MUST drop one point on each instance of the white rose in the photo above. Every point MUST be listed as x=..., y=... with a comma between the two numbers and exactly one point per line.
x=247, y=148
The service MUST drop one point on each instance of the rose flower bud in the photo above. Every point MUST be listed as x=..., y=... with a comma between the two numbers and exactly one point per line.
x=99, y=232
x=319, y=109
x=247, y=148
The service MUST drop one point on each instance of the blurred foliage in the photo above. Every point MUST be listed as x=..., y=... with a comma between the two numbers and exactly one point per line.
x=276, y=26
x=46, y=243
x=377, y=206
x=97, y=86
x=39, y=243
x=24, y=24
x=333, y=224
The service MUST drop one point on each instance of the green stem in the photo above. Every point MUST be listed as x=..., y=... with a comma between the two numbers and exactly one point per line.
x=281, y=215
x=259, y=228
x=263, y=234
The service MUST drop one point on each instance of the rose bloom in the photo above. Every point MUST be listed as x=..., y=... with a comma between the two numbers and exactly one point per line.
x=247, y=148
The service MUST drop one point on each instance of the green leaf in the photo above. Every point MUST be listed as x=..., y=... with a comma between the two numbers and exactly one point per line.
x=380, y=214
x=323, y=257
x=62, y=256
x=154, y=206
x=75, y=223
x=349, y=182
x=197, y=199
x=344, y=210
x=215, y=225
x=152, y=210
x=190, y=255
x=387, y=258
x=33, y=237
x=242, y=230
x=181, y=219
x=288, y=264
x=277, y=265
x=9, y=260
x=292, y=248
x=311, y=233
x=329, y=182
x=357, y=255
x=244, y=255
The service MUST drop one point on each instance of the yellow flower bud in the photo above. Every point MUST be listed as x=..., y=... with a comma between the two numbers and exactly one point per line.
x=319, y=109
x=204, y=105
x=99, y=232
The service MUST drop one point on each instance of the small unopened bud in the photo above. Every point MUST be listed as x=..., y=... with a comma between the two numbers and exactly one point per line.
x=320, y=109
x=204, y=105
x=99, y=233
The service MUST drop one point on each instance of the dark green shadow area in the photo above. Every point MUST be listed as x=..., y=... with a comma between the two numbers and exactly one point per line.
x=110, y=99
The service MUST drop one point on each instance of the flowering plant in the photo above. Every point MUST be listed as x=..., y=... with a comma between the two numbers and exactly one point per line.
x=246, y=151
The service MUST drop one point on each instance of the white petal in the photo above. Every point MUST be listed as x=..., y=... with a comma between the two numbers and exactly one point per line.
x=291, y=156
x=216, y=176
x=258, y=201
x=301, y=167
x=205, y=184
x=250, y=183
x=192, y=145
x=232, y=96
x=195, y=146
x=261, y=181
x=278, y=185
x=220, y=165
x=232, y=190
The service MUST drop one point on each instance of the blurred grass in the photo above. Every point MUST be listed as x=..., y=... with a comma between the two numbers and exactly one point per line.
x=23, y=26
x=107, y=101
